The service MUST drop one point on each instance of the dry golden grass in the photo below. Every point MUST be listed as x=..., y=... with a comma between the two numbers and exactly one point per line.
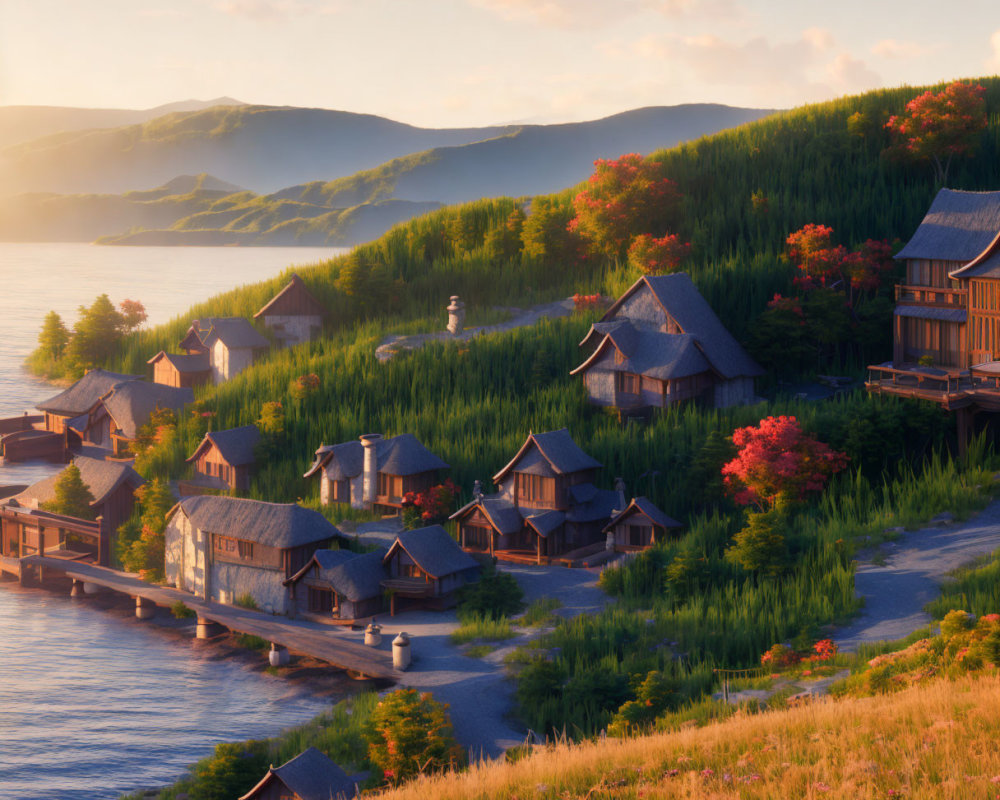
x=941, y=740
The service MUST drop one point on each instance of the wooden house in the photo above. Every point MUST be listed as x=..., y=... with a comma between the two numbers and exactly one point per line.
x=181, y=369
x=113, y=422
x=375, y=471
x=946, y=338
x=222, y=548
x=339, y=584
x=308, y=776
x=426, y=566
x=112, y=485
x=224, y=460
x=661, y=344
x=546, y=503
x=72, y=404
x=231, y=343
x=640, y=525
x=293, y=314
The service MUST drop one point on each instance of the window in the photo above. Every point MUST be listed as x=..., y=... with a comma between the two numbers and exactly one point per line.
x=245, y=550
x=232, y=547
x=320, y=601
x=477, y=536
x=342, y=491
x=390, y=486
x=627, y=382
x=535, y=488
x=638, y=535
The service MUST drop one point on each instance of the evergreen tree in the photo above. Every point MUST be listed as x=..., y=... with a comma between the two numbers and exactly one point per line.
x=96, y=333
x=54, y=335
x=156, y=499
x=760, y=546
x=73, y=497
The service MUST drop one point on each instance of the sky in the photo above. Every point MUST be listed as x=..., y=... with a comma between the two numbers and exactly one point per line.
x=448, y=63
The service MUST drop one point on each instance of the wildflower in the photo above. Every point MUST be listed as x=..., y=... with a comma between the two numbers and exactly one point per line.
x=671, y=773
x=819, y=786
x=707, y=773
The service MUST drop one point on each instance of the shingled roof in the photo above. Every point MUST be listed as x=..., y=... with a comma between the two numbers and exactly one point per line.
x=680, y=298
x=102, y=478
x=233, y=332
x=294, y=300
x=959, y=226
x=501, y=513
x=397, y=455
x=311, y=776
x=434, y=551
x=183, y=362
x=131, y=404
x=80, y=397
x=642, y=505
x=664, y=356
x=279, y=525
x=236, y=445
x=357, y=577
x=558, y=450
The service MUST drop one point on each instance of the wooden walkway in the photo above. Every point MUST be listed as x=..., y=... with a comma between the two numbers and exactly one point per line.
x=294, y=636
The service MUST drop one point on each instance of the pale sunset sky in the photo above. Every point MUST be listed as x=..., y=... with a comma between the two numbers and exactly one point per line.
x=444, y=63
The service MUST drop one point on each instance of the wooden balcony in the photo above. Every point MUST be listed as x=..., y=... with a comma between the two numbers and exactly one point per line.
x=931, y=296
x=951, y=388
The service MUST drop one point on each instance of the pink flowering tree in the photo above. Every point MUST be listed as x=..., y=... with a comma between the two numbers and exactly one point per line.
x=938, y=127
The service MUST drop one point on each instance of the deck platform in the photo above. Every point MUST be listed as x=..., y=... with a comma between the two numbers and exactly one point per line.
x=295, y=637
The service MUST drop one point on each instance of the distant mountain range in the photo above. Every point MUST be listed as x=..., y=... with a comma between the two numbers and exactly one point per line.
x=88, y=184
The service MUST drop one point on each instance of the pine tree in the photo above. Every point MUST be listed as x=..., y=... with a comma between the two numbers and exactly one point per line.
x=156, y=499
x=54, y=335
x=96, y=333
x=73, y=497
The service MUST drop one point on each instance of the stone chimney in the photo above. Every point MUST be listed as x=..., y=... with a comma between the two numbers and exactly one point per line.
x=370, y=468
x=456, y=316
x=620, y=503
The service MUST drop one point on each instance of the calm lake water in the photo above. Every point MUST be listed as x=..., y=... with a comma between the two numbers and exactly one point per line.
x=91, y=707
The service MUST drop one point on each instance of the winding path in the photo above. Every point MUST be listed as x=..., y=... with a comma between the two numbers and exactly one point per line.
x=916, y=563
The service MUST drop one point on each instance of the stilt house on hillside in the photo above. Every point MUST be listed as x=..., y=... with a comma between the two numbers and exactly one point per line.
x=546, y=503
x=293, y=314
x=223, y=460
x=946, y=342
x=113, y=422
x=232, y=344
x=661, y=344
x=308, y=776
x=27, y=529
x=181, y=369
x=222, y=548
x=375, y=471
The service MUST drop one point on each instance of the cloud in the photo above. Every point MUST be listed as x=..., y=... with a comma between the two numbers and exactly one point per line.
x=894, y=48
x=276, y=10
x=594, y=13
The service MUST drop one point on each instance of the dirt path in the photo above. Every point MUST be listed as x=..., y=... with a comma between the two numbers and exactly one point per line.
x=915, y=565
x=392, y=345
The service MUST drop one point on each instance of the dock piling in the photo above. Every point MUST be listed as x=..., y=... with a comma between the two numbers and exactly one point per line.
x=279, y=656
x=77, y=589
x=144, y=609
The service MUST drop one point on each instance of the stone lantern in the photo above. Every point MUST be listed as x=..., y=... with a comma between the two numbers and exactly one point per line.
x=456, y=316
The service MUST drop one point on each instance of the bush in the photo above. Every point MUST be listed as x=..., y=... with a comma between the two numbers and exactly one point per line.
x=181, y=611
x=411, y=735
x=476, y=627
x=247, y=601
x=495, y=596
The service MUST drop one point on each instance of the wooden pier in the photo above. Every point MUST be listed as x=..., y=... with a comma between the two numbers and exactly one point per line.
x=296, y=637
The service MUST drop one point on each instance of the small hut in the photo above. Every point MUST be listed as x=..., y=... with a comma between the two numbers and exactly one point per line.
x=232, y=344
x=308, y=776
x=640, y=525
x=224, y=460
x=427, y=566
x=293, y=314
x=181, y=369
x=339, y=584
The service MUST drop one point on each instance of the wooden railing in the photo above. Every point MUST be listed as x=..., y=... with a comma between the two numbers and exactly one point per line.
x=931, y=296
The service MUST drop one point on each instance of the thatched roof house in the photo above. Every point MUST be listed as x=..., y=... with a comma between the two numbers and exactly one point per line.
x=225, y=459
x=308, y=776
x=79, y=398
x=114, y=420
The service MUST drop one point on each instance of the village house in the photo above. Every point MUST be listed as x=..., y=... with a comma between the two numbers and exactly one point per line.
x=231, y=343
x=546, y=503
x=69, y=408
x=223, y=548
x=308, y=776
x=946, y=339
x=181, y=369
x=113, y=422
x=639, y=526
x=224, y=460
x=339, y=584
x=661, y=344
x=425, y=567
x=375, y=471
x=293, y=314
x=28, y=529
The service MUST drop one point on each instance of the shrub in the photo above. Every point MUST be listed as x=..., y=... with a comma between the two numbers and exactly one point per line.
x=247, y=600
x=779, y=657
x=410, y=735
x=495, y=596
x=476, y=627
x=181, y=611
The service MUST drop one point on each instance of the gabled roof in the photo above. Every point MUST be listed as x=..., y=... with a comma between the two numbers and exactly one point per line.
x=434, y=551
x=294, y=300
x=352, y=575
x=959, y=226
x=130, y=404
x=192, y=339
x=544, y=522
x=80, y=397
x=664, y=356
x=234, y=333
x=558, y=450
x=642, y=505
x=599, y=506
x=502, y=514
x=680, y=298
x=279, y=525
x=183, y=362
x=103, y=478
x=235, y=445
x=398, y=455
x=311, y=776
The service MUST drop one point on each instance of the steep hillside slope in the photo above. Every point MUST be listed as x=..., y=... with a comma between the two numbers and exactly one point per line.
x=23, y=123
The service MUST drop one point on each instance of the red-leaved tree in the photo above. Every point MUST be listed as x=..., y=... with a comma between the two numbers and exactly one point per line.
x=777, y=460
x=657, y=256
x=825, y=265
x=624, y=196
x=938, y=127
